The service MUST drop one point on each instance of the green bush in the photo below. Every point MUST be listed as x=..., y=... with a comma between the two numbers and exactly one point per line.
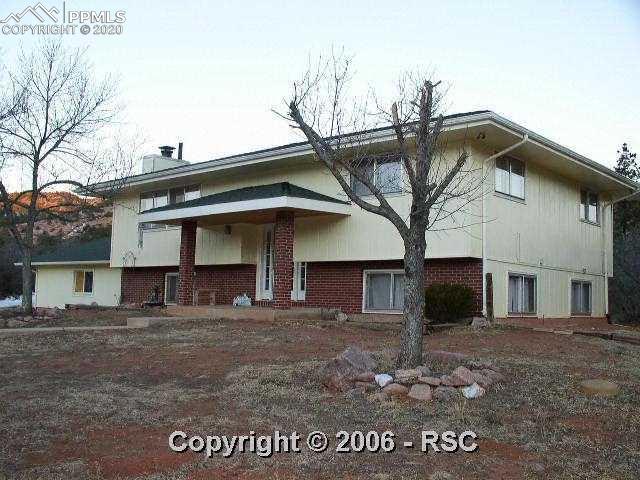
x=448, y=302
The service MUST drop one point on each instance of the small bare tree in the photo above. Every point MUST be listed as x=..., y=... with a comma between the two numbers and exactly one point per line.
x=340, y=131
x=52, y=111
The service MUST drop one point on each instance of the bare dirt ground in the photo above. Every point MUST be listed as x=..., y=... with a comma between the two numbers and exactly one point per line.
x=101, y=405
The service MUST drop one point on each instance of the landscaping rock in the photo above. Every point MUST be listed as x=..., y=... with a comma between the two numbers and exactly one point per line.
x=366, y=386
x=473, y=391
x=452, y=381
x=395, y=390
x=463, y=374
x=420, y=392
x=337, y=374
x=445, y=394
x=407, y=376
x=446, y=356
x=383, y=379
x=481, y=379
x=433, y=381
x=365, y=377
x=599, y=388
x=480, y=322
x=424, y=371
x=495, y=377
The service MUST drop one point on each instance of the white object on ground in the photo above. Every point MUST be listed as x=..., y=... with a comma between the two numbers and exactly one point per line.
x=11, y=302
x=242, y=301
x=383, y=379
x=473, y=391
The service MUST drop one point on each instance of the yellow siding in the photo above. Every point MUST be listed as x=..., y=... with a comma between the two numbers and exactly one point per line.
x=543, y=235
x=360, y=236
x=54, y=286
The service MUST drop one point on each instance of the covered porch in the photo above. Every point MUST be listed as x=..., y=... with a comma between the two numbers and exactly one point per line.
x=274, y=206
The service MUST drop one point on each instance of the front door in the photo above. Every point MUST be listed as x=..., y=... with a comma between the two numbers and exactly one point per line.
x=171, y=289
x=266, y=277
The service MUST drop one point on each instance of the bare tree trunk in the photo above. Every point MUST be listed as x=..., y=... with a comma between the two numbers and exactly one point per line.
x=27, y=282
x=410, y=354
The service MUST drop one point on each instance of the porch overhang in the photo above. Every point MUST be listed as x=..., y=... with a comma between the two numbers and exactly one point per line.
x=257, y=205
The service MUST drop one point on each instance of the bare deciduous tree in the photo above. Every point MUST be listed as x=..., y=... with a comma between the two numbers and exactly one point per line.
x=342, y=132
x=54, y=112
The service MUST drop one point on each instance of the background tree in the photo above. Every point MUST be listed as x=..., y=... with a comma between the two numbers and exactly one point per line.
x=442, y=190
x=52, y=113
x=625, y=303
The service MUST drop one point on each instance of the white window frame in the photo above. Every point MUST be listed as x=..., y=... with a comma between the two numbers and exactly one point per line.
x=93, y=282
x=535, y=294
x=166, y=282
x=582, y=213
x=374, y=159
x=299, y=292
x=510, y=195
x=392, y=272
x=267, y=294
x=582, y=282
x=167, y=192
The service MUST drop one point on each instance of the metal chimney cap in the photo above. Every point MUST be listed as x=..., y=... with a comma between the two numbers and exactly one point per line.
x=167, y=151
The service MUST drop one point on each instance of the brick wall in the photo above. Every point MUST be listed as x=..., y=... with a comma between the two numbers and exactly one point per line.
x=339, y=284
x=329, y=284
x=187, y=262
x=283, y=259
x=137, y=283
x=228, y=281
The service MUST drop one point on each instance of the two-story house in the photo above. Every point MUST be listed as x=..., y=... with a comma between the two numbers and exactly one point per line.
x=274, y=224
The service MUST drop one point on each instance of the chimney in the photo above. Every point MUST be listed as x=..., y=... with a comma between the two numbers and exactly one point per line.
x=167, y=151
x=180, y=150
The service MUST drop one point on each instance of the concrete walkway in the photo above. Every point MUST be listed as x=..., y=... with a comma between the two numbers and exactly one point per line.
x=28, y=330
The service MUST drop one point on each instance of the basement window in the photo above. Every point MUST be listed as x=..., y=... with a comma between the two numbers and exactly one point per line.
x=510, y=177
x=580, y=297
x=522, y=294
x=383, y=291
x=83, y=281
x=589, y=211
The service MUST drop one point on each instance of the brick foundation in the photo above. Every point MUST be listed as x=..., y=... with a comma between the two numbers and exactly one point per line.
x=227, y=281
x=329, y=284
x=339, y=284
x=137, y=283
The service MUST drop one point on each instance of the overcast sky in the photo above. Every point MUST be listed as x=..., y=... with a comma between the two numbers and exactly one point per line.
x=208, y=73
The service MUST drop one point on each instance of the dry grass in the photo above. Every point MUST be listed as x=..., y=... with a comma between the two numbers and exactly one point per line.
x=101, y=405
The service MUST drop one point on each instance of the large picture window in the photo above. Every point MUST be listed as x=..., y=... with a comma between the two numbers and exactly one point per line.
x=83, y=281
x=510, y=177
x=580, y=297
x=522, y=294
x=384, y=290
x=385, y=172
x=589, y=211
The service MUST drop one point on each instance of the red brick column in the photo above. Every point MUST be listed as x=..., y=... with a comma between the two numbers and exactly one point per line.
x=283, y=272
x=187, y=262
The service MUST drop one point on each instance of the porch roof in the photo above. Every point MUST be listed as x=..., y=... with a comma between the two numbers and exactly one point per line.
x=256, y=204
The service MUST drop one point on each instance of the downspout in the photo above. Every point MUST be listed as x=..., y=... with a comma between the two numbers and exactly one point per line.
x=524, y=140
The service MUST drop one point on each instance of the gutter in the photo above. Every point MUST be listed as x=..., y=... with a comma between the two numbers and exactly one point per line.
x=525, y=139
